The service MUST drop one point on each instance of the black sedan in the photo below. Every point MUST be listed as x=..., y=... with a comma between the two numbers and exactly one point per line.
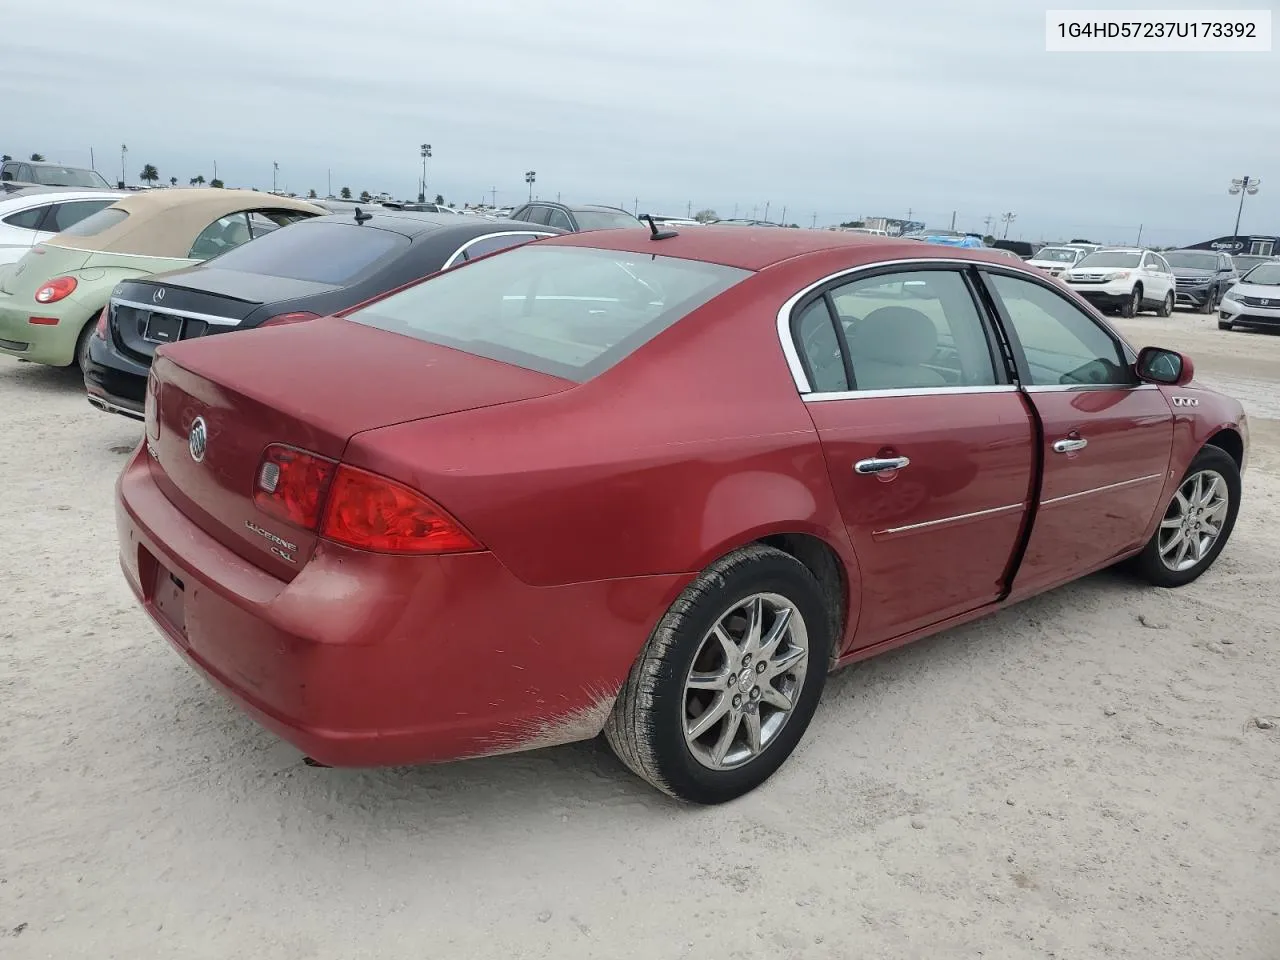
x=328, y=265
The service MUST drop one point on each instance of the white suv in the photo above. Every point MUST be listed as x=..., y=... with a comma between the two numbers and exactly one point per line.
x=1128, y=279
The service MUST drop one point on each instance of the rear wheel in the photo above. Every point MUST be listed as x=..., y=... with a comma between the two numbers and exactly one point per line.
x=1197, y=522
x=729, y=680
x=1166, y=306
x=1132, y=306
x=82, y=345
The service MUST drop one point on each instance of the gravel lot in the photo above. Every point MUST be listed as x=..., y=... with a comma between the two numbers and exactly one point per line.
x=1082, y=776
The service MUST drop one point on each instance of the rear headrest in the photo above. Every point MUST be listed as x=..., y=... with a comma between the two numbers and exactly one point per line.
x=897, y=335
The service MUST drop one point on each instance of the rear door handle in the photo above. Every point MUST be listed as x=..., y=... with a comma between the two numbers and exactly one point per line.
x=1069, y=444
x=881, y=464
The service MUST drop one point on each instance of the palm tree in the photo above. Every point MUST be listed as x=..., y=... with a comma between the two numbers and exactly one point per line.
x=365, y=196
x=440, y=200
x=37, y=157
x=173, y=181
x=149, y=173
x=197, y=180
x=5, y=159
x=346, y=193
x=311, y=194
x=216, y=183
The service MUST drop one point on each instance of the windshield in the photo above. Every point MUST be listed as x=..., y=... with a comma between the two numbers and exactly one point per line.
x=603, y=220
x=568, y=311
x=1248, y=263
x=1058, y=255
x=327, y=252
x=1106, y=258
x=1192, y=260
x=1265, y=274
x=69, y=177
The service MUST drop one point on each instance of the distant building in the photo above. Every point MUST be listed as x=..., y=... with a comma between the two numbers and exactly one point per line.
x=1256, y=246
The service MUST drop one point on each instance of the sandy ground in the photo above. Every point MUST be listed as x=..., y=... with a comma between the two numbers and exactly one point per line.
x=1079, y=777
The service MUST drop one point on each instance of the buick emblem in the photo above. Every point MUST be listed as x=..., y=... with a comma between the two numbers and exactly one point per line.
x=158, y=295
x=198, y=439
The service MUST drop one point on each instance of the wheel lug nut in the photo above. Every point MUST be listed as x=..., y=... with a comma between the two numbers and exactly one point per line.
x=746, y=659
x=737, y=700
x=755, y=693
x=760, y=667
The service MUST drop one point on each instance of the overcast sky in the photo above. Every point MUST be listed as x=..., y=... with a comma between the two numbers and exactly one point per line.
x=839, y=108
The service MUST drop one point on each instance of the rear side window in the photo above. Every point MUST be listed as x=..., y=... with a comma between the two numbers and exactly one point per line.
x=572, y=312
x=328, y=252
x=597, y=220
x=97, y=223
x=72, y=212
x=27, y=219
x=559, y=219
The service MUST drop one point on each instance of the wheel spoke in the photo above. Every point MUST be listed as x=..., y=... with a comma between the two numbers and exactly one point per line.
x=787, y=662
x=727, y=645
x=1173, y=541
x=1183, y=550
x=1184, y=505
x=708, y=681
x=708, y=718
x=774, y=697
x=725, y=740
x=781, y=622
x=755, y=618
x=752, y=722
x=1210, y=490
x=1217, y=512
x=1173, y=523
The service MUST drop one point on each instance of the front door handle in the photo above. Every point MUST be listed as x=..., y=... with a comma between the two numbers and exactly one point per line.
x=881, y=464
x=1069, y=444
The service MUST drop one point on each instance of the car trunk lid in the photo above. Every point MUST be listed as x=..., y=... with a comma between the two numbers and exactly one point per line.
x=310, y=386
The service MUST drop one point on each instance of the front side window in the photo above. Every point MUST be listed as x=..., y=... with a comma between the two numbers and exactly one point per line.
x=559, y=219
x=9, y=171
x=1063, y=345
x=571, y=312
x=913, y=330
x=27, y=219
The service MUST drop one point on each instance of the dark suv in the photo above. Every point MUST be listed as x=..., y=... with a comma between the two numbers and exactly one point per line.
x=1202, y=276
x=575, y=217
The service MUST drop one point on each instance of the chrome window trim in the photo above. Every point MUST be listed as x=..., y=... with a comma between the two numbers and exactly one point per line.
x=1110, y=486
x=1086, y=387
x=784, y=314
x=912, y=527
x=819, y=397
x=185, y=314
x=489, y=236
x=136, y=256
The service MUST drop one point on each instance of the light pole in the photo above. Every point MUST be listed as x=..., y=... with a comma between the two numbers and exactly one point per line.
x=1243, y=185
x=424, y=151
x=529, y=177
x=1006, y=219
x=275, y=169
x=123, y=151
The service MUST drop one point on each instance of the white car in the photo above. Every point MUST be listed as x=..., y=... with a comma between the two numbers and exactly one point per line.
x=1128, y=279
x=33, y=215
x=1254, y=301
x=1054, y=260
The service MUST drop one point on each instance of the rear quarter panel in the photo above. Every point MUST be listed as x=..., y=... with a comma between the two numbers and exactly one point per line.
x=695, y=444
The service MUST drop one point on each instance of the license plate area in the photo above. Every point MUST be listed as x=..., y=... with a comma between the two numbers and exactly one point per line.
x=162, y=328
x=165, y=592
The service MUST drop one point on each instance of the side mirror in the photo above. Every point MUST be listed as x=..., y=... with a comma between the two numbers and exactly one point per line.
x=1168, y=367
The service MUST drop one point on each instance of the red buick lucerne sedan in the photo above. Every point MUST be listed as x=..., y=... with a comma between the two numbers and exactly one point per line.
x=655, y=486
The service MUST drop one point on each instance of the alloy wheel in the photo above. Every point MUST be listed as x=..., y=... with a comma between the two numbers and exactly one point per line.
x=1193, y=522
x=745, y=681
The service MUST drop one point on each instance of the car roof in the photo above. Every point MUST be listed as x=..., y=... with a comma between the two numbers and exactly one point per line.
x=754, y=248
x=164, y=223
x=23, y=198
x=414, y=223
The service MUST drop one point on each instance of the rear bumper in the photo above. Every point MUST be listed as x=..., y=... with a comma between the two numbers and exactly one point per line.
x=52, y=343
x=367, y=660
x=113, y=383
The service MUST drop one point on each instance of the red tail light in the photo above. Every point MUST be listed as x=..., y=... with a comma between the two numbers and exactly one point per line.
x=56, y=289
x=100, y=331
x=373, y=513
x=291, y=484
x=281, y=319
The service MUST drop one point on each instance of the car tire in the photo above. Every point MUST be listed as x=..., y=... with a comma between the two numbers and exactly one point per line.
x=693, y=663
x=1181, y=549
x=82, y=345
x=1166, y=306
x=1132, y=306
x=1210, y=302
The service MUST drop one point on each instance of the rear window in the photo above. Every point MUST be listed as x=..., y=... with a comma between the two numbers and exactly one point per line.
x=96, y=223
x=333, y=253
x=597, y=220
x=572, y=312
